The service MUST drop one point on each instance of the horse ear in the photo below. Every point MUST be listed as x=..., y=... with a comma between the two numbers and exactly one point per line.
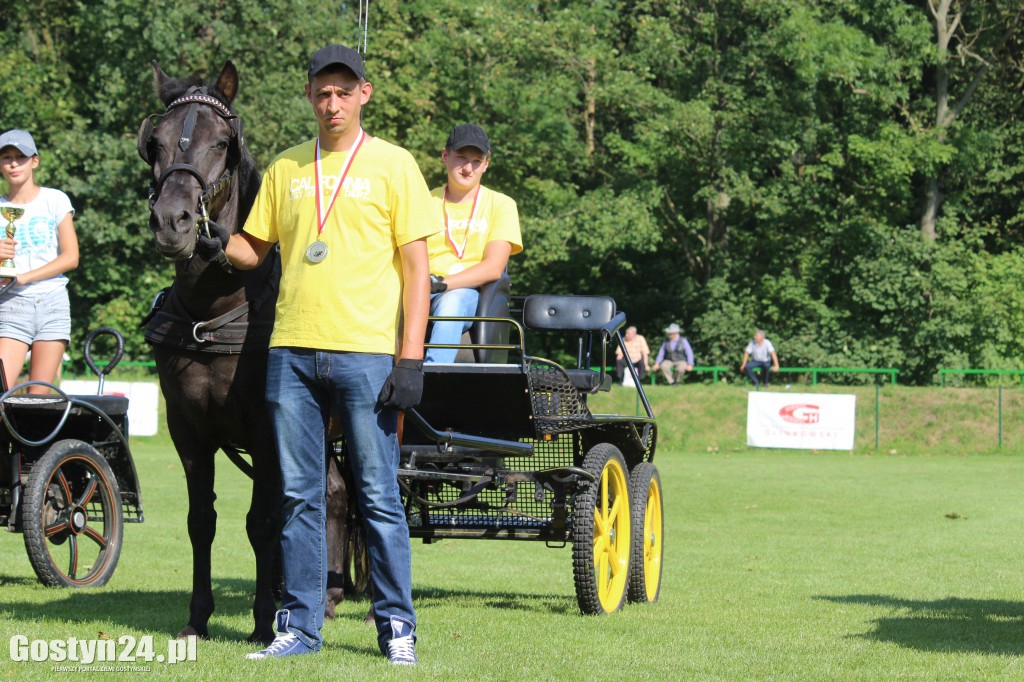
x=227, y=81
x=160, y=82
x=145, y=135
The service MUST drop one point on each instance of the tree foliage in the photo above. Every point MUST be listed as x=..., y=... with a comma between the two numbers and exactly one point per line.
x=722, y=163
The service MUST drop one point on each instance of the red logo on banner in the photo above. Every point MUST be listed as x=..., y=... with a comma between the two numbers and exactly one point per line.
x=801, y=414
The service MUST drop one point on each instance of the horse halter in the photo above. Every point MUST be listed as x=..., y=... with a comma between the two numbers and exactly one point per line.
x=195, y=97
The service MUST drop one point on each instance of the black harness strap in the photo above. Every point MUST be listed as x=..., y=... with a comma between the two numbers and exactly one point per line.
x=188, y=127
x=170, y=324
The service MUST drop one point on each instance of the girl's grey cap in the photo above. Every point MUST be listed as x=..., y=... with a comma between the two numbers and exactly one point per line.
x=20, y=140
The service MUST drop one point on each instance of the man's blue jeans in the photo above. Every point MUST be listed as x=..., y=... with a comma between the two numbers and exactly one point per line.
x=302, y=384
x=752, y=371
x=454, y=303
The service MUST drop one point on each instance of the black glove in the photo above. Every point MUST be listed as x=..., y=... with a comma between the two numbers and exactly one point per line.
x=404, y=388
x=211, y=248
x=437, y=285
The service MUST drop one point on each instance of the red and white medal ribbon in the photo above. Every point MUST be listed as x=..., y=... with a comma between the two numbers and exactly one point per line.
x=321, y=214
x=448, y=231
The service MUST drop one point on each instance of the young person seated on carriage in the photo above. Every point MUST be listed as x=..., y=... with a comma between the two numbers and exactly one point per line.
x=468, y=258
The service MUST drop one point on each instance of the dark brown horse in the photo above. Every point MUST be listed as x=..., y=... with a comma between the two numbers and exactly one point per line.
x=211, y=330
x=210, y=333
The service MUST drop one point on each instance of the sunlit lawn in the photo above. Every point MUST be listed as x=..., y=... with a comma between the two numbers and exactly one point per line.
x=779, y=565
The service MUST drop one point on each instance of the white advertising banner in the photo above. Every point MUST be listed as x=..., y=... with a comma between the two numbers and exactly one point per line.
x=807, y=421
x=143, y=400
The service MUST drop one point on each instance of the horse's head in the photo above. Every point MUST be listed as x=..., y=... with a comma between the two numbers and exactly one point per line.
x=194, y=149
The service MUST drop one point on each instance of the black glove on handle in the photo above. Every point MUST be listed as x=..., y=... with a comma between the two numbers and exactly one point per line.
x=437, y=284
x=404, y=388
x=211, y=249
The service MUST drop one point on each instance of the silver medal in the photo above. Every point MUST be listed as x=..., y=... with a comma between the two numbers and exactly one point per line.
x=316, y=252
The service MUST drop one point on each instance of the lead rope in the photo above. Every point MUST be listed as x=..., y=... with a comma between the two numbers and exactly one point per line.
x=363, y=23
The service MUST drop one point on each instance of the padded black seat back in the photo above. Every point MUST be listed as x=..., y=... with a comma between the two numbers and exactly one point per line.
x=494, y=298
x=552, y=312
x=582, y=317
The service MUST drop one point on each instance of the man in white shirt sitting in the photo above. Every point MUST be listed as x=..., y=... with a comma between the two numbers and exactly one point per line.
x=759, y=356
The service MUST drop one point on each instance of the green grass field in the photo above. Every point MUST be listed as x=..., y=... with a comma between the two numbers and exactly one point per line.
x=779, y=565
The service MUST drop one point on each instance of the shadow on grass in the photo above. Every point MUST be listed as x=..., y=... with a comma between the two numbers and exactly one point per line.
x=558, y=604
x=147, y=610
x=948, y=625
x=12, y=580
x=428, y=597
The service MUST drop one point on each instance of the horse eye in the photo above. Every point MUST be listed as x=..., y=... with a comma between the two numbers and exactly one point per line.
x=221, y=144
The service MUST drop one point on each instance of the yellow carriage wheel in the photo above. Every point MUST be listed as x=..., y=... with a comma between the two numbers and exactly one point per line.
x=648, y=534
x=601, y=533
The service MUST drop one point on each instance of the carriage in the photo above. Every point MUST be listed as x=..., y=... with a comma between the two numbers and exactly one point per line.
x=67, y=478
x=504, y=446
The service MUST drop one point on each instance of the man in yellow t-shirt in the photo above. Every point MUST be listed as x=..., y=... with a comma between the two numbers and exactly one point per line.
x=351, y=214
x=481, y=232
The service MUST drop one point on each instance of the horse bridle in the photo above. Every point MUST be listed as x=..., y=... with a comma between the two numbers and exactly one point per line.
x=195, y=97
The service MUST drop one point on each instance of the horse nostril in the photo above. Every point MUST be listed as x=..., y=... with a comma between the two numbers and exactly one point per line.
x=185, y=221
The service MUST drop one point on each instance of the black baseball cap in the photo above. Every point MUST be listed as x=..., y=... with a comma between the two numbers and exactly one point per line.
x=468, y=135
x=336, y=54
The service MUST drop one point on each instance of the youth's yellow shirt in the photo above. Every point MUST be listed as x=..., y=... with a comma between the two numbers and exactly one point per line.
x=497, y=218
x=352, y=299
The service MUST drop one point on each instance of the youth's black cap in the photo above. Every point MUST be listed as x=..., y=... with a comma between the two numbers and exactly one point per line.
x=468, y=135
x=336, y=54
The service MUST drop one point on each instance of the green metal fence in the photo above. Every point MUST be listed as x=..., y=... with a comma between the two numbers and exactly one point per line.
x=943, y=373
x=815, y=371
x=717, y=370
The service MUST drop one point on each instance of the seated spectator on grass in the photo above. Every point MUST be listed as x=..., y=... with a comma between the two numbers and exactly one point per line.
x=759, y=356
x=675, y=357
x=481, y=231
x=639, y=355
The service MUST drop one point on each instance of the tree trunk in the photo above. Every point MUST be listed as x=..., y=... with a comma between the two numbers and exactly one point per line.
x=590, y=97
x=943, y=33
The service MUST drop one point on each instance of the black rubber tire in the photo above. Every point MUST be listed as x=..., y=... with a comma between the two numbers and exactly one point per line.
x=644, y=588
x=72, y=507
x=587, y=577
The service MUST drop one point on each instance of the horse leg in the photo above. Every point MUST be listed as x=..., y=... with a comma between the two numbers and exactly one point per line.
x=197, y=459
x=263, y=525
x=337, y=536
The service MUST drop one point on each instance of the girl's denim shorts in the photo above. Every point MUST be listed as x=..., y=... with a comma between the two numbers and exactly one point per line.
x=28, y=318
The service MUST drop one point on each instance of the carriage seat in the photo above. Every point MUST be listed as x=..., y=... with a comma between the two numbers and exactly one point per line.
x=589, y=381
x=111, y=405
x=583, y=315
x=494, y=302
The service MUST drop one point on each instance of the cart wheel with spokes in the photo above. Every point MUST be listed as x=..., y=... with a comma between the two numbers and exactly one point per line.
x=648, y=534
x=72, y=517
x=601, y=533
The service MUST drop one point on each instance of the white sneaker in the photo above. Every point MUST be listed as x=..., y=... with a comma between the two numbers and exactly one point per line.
x=402, y=645
x=284, y=644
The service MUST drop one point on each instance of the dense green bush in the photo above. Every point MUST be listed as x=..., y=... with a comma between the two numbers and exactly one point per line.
x=725, y=164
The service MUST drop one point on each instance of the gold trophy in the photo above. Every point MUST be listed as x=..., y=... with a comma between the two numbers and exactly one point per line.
x=7, y=269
